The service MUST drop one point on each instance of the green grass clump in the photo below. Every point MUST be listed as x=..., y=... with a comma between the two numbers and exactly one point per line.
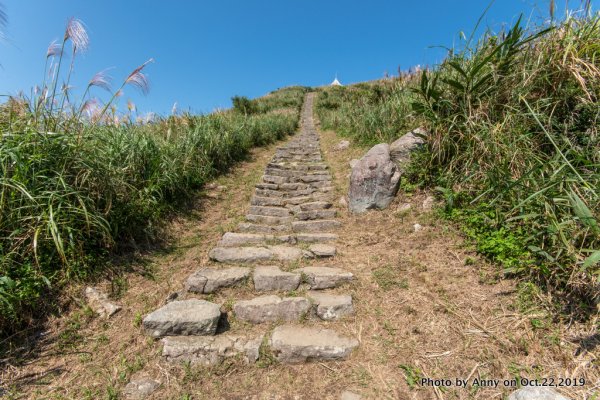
x=77, y=182
x=514, y=144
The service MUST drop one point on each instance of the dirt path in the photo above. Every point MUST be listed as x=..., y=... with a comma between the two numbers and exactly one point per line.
x=425, y=306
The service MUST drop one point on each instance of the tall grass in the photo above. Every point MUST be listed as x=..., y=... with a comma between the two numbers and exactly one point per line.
x=514, y=146
x=74, y=184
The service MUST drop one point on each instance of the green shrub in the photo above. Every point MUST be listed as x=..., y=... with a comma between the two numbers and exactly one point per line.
x=513, y=123
x=72, y=187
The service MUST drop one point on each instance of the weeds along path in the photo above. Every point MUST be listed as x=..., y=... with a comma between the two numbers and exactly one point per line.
x=300, y=300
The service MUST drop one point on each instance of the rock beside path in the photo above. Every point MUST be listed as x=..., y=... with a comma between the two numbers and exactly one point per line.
x=98, y=301
x=297, y=344
x=374, y=180
x=140, y=387
x=185, y=317
x=536, y=393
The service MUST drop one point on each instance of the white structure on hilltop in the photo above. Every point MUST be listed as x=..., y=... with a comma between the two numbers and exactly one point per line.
x=335, y=82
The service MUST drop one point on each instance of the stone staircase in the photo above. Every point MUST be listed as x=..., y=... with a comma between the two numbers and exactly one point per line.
x=291, y=222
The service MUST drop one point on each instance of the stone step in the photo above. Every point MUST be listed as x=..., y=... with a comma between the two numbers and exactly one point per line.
x=208, y=280
x=315, y=237
x=321, y=184
x=330, y=307
x=269, y=186
x=210, y=350
x=268, y=220
x=269, y=211
x=325, y=277
x=247, y=227
x=185, y=317
x=268, y=278
x=322, y=250
x=250, y=255
x=316, y=205
x=278, y=180
x=294, y=186
x=235, y=239
x=268, y=193
x=297, y=200
x=293, y=344
x=315, y=178
x=267, y=201
x=315, y=226
x=315, y=214
x=271, y=309
x=299, y=192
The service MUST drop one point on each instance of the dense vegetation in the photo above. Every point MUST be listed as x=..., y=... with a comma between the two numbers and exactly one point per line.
x=78, y=178
x=514, y=145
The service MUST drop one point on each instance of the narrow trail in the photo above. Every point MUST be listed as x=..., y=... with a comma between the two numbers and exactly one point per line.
x=290, y=222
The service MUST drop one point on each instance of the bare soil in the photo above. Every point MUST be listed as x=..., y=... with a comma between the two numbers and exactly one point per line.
x=426, y=307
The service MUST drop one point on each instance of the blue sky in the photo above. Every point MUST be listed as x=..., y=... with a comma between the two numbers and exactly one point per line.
x=208, y=51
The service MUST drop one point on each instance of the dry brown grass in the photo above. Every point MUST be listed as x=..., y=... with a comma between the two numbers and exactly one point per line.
x=425, y=305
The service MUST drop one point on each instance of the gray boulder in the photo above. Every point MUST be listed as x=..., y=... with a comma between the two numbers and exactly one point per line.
x=401, y=149
x=536, y=393
x=374, y=180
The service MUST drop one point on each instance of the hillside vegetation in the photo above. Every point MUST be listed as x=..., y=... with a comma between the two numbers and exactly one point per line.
x=514, y=146
x=78, y=179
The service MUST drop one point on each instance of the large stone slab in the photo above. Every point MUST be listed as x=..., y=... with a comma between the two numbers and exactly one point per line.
x=268, y=220
x=315, y=214
x=273, y=278
x=374, y=180
x=297, y=200
x=186, y=317
x=208, y=280
x=315, y=205
x=322, y=250
x=297, y=344
x=536, y=393
x=210, y=350
x=234, y=239
x=266, y=201
x=270, y=211
x=250, y=255
x=249, y=227
x=316, y=237
x=270, y=186
x=286, y=253
x=241, y=255
x=271, y=308
x=331, y=307
x=274, y=179
x=325, y=277
x=315, y=226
